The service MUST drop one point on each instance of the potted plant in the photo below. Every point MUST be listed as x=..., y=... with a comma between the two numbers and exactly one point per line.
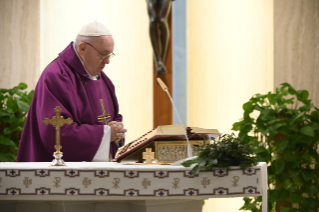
x=14, y=105
x=224, y=151
x=283, y=129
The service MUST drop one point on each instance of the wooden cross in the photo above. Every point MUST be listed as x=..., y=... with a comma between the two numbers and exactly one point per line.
x=57, y=121
x=148, y=155
x=105, y=117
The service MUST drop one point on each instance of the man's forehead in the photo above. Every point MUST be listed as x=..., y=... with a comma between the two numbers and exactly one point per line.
x=105, y=43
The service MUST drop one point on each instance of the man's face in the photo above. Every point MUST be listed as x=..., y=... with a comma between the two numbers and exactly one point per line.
x=91, y=57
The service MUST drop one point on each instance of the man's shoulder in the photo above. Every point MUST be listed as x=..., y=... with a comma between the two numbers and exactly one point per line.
x=56, y=78
x=56, y=68
x=106, y=79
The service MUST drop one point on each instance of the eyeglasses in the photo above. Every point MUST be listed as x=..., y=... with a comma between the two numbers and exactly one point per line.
x=104, y=56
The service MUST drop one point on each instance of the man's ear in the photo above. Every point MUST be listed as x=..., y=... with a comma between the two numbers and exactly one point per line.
x=82, y=47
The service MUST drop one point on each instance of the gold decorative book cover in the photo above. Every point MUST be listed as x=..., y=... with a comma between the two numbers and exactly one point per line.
x=167, y=142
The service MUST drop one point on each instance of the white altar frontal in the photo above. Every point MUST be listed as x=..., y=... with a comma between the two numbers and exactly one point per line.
x=103, y=186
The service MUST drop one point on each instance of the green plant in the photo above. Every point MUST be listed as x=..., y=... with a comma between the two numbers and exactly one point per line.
x=14, y=105
x=226, y=150
x=283, y=128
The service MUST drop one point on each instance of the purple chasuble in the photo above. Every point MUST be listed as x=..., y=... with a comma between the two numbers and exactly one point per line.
x=65, y=83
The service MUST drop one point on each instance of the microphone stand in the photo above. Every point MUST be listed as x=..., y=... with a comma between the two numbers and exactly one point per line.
x=164, y=87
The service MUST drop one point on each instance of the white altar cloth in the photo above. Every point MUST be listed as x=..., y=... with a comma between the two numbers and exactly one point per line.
x=113, y=181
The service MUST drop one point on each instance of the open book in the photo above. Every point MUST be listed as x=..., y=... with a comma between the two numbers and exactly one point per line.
x=166, y=133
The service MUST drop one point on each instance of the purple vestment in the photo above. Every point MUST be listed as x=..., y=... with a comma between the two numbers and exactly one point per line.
x=65, y=83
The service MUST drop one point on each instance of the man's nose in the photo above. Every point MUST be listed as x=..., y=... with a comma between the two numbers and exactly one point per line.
x=106, y=61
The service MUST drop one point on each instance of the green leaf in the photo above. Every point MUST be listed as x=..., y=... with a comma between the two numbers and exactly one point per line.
x=23, y=106
x=315, y=125
x=195, y=170
x=286, y=209
x=267, y=114
x=7, y=157
x=248, y=107
x=6, y=131
x=30, y=96
x=297, y=180
x=289, y=156
x=22, y=86
x=271, y=98
x=4, y=113
x=307, y=174
x=295, y=198
x=292, y=165
x=290, y=101
x=278, y=166
x=264, y=156
x=6, y=141
x=289, y=185
x=236, y=126
x=294, y=172
x=307, y=130
x=297, y=117
x=273, y=195
x=283, y=195
x=12, y=105
x=260, y=149
x=3, y=90
x=311, y=189
x=188, y=163
x=292, y=91
x=213, y=162
x=281, y=144
x=317, y=169
x=302, y=95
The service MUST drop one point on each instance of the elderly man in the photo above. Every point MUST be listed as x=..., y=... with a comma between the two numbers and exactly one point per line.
x=75, y=82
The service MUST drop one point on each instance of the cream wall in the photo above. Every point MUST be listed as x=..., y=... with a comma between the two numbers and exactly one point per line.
x=296, y=42
x=19, y=42
x=229, y=58
x=130, y=70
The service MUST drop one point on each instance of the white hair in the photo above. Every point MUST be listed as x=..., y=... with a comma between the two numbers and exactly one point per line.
x=80, y=38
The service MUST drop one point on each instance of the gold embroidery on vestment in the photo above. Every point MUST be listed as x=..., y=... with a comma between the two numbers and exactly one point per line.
x=104, y=117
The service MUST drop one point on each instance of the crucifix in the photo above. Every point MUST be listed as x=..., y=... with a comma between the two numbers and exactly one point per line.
x=57, y=121
x=148, y=155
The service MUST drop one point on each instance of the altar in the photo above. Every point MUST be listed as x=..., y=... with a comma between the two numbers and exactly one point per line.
x=108, y=186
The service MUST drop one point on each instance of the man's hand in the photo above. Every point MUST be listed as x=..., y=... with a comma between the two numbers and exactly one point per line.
x=117, y=131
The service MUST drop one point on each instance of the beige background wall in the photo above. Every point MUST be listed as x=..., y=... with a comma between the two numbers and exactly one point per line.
x=19, y=42
x=296, y=45
x=27, y=48
x=230, y=58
